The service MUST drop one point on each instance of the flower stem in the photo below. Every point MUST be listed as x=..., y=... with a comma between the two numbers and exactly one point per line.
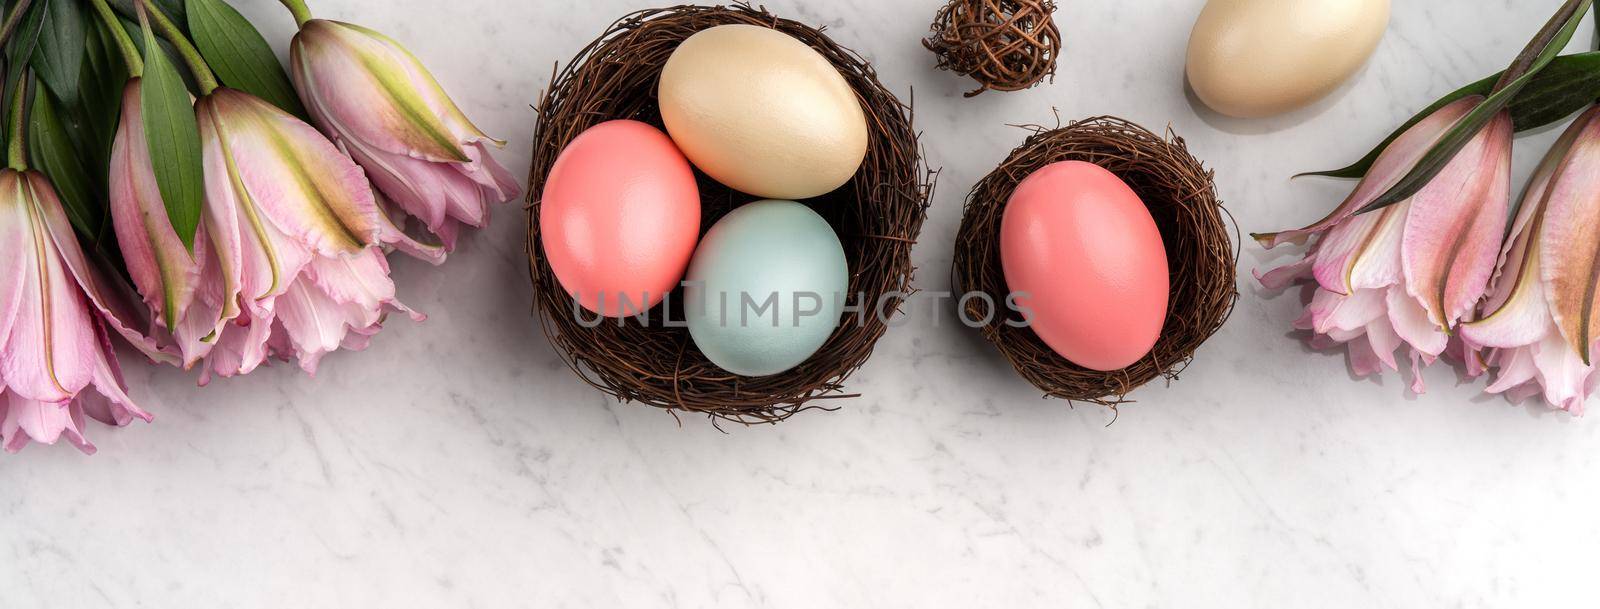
x=191, y=55
x=299, y=10
x=12, y=19
x=125, y=46
x=16, y=147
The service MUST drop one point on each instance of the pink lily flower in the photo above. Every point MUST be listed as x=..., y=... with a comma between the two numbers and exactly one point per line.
x=1537, y=333
x=1402, y=277
x=165, y=272
x=55, y=312
x=373, y=98
x=286, y=260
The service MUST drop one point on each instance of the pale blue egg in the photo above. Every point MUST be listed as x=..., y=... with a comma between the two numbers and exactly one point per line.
x=765, y=288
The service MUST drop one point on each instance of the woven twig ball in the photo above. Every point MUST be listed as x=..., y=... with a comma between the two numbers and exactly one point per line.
x=1201, y=250
x=1005, y=45
x=877, y=216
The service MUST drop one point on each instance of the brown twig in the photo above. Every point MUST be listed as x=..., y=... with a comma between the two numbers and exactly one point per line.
x=1005, y=45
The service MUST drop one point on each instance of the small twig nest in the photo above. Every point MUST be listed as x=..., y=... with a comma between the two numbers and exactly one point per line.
x=1005, y=45
x=877, y=216
x=1181, y=197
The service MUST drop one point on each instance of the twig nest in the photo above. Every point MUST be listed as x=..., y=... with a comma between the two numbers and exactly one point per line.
x=1181, y=196
x=1005, y=45
x=877, y=216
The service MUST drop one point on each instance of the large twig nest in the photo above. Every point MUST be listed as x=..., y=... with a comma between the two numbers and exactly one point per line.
x=877, y=216
x=1201, y=251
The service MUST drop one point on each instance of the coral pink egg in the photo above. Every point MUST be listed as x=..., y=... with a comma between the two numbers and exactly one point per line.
x=619, y=217
x=1086, y=262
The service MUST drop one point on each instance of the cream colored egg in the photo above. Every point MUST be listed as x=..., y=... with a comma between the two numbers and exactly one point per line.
x=1254, y=58
x=762, y=113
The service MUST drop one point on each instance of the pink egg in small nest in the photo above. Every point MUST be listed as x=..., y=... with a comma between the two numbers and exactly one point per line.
x=1201, y=248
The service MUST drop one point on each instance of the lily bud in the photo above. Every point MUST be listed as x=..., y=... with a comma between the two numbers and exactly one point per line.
x=296, y=229
x=56, y=315
x=286, y=259
x=1402, y=276
x=165, y=272
x=1538, y=332
x=373, y=98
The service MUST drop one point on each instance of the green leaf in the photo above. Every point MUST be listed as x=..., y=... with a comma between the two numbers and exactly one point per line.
x=59, y=55
x=1539, y=54
x=239, y=55
x=166, y=47
x=19, y=49
x=99, y=103
x=174, y=140
x=50, y=150
x=91, y=119
x=1569, y=84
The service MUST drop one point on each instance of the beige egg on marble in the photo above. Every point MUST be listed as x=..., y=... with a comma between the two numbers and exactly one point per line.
x=1255, y=58
x=762, y=113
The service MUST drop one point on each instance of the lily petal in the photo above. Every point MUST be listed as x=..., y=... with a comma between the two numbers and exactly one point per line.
x=49, y=346
x=109, y=402
x=1514, y=367
x=1572, y=220
x=316, y=324
x=1283, y=276
x=394, y=236
x=413, y=184
x=1563, y=375
x=498, y=183
x=1384, y=340
x=1419, y=384
x=1455, y=226
x=1410, y=321
x=214, y=303
x=1352, y=312
x=377, y=92
x=43, y=422
x=111, y=303
x=1338, y=250
x=241, y=348
x=339, y=298
x=291, y=173
x=1391, y=165
x=157, y=260
x=1363, y=252
x=362, y=280
x=1378, y=263
x=376, y=101
x=16, y=249
x=1364, y=361
x=1521, y=317
x=1516, y=310
x=1530, y=212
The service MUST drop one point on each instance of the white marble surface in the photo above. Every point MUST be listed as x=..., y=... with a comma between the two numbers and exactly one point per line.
x=459, y=464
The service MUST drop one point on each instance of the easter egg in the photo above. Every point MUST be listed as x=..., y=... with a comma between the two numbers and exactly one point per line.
x=1086, y=265
x=765, y=288
x=1254, y=58
x=762, y=113
x=618, y=217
